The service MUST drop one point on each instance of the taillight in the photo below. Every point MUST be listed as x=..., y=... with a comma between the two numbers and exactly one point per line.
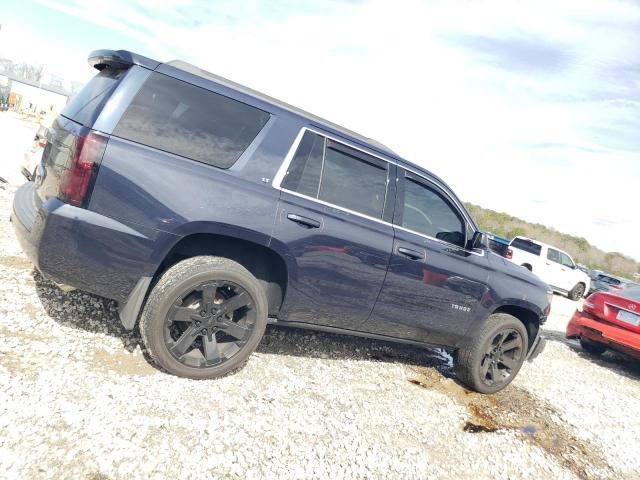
x=42, y=142
x=509, y=254
x=84, y=165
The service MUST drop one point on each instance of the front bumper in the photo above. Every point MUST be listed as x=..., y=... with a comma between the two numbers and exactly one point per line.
x=618, y=338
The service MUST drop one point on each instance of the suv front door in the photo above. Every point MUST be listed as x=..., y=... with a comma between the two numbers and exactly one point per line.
x=558, y=275
x=331, y=220
x=434, y=287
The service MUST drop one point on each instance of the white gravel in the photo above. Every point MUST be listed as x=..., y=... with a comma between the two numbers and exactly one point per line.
x=79, y=400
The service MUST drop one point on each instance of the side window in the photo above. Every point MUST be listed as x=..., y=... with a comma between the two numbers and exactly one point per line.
x=553, y=255
x=328, y=170
x=566, y=260
x=352, y=182
x=180, y=118
x=427, y=212
x=303, y=175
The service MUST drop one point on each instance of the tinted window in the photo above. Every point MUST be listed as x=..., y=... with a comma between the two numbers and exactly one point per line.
x=352, y=182
x=426, y=212
x=566, y=260
x=553, y=255
x=303, y=175
x=86, y=105
x=181, y=118
x=526, y=245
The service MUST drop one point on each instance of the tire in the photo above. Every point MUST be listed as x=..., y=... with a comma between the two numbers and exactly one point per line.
x=593, y=348
x=527, y=266
x=576, y=292
x=480, y=364
x=191, y=324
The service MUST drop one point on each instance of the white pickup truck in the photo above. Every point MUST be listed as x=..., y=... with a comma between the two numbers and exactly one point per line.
x=551, y=264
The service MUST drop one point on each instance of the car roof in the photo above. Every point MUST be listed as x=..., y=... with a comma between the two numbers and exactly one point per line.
x=194, y=70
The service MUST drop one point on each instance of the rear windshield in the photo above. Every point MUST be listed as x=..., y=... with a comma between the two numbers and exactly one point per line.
x=181, y=118
x=526, y=245
x=86, y=105
x=632, y=293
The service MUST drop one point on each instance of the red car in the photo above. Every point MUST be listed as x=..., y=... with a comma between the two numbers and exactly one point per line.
x=609, y=320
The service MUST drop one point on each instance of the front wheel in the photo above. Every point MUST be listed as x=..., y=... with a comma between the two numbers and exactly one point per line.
x=204, y=318
x=492, y=360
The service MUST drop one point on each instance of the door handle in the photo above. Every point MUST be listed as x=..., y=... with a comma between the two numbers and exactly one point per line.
x=412, y=254
x=307, y=222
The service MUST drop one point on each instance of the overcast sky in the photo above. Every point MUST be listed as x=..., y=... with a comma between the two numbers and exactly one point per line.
x=530, y=108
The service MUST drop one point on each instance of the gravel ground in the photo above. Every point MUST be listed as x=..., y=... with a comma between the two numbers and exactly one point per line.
x=78, y=399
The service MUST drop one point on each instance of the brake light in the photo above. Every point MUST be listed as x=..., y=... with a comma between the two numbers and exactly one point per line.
x=42, y=142
x=509, y=254
x=84, y=165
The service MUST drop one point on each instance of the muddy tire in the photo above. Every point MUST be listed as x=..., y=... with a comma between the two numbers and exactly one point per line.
x=577, y=292
x=204, y=318
x=592, y=348
x=490, y=361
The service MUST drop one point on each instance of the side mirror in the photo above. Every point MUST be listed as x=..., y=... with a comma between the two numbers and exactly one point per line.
x=479, y=241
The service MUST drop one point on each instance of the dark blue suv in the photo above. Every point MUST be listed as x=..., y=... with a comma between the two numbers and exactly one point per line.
x=207, y=210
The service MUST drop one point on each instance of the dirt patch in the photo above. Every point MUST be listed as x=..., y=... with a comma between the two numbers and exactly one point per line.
x=121, y=363
x=19, y=263
x=516, y=409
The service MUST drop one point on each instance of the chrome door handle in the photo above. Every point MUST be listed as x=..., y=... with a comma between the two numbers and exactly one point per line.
x=305, y=221
x=412, y=254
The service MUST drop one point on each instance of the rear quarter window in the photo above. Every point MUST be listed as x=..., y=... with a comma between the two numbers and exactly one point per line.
x=180, y=118
x=527, y=246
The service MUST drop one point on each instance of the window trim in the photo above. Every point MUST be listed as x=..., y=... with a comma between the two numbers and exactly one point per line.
x=377, y=162
x=279, y=176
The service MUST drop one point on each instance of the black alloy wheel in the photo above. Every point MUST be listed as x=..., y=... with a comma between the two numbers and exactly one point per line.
x=503, y=358
x=209, y=324
x=204, y=318
x=493, y=356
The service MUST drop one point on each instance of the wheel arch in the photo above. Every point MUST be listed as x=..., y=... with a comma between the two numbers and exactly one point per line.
x=268, y=266
x=527, y=316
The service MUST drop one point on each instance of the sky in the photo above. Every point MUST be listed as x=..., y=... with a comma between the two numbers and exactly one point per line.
x=529, y=108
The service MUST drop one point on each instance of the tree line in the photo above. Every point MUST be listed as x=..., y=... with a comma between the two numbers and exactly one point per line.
x=579, y=248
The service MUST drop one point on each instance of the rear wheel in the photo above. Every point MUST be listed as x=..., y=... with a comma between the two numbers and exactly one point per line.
x=204, y=318
x=491, y=361
x=592, y=347
x=577, y=292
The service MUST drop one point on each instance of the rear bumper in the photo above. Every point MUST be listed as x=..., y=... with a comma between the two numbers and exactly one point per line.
x=613, y=336
x=81, y=248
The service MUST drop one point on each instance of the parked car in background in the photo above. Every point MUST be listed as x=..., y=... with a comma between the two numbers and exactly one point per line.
x=551, y=264
x=607, y=283
x=608, y=320
x=32, y=156
x=207, y=210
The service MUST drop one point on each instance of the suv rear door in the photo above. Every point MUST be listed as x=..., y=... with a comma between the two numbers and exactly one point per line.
x=434, y=286
x=331, y=218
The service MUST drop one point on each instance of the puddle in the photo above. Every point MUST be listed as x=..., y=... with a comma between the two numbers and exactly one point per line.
x=516, y=409
x=121, y=363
